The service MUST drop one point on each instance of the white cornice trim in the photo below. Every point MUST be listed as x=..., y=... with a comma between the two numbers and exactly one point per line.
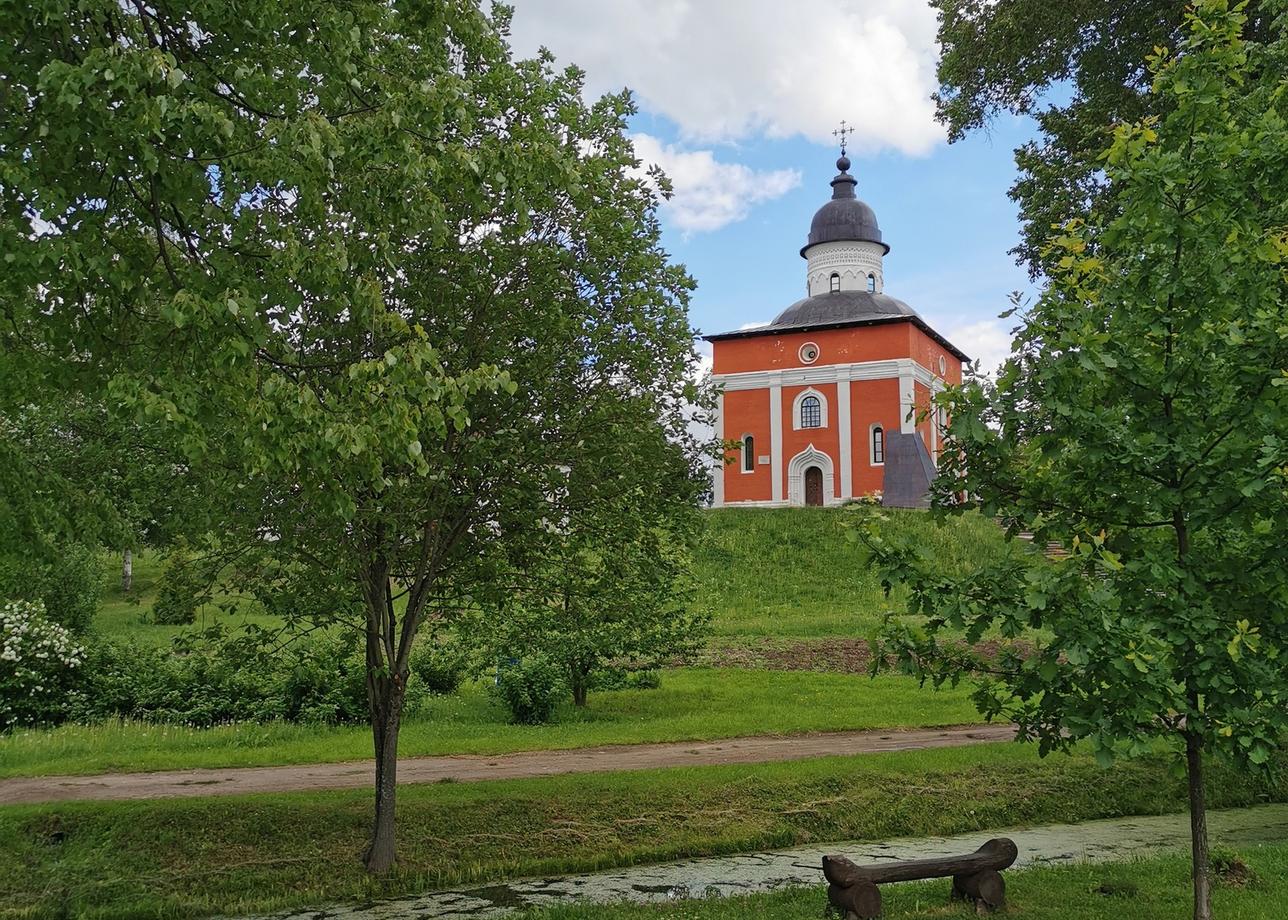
x=828, y=373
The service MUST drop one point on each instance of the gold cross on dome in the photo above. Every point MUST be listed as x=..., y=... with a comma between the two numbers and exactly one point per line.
x=843, y=133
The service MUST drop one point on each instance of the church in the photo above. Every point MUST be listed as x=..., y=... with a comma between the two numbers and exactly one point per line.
x=831, y=400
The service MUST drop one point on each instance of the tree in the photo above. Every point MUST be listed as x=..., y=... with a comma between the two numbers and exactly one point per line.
x=375, y=275
x=1140, y=422
x=1076, y=68
x=612, y=588
x=79, y=473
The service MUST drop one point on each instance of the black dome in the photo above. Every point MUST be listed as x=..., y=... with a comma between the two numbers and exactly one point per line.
x=840, y=307
x=845, y=217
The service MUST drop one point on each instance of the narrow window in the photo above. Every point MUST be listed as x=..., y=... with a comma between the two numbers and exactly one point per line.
x=872, y=283
x=811, y=412
x=748, y=454
x=878, y=444
x=836, y=282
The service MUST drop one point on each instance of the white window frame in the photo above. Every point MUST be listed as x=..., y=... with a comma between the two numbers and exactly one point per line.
x=796, y=410
x=744, y=456
x=872, y=435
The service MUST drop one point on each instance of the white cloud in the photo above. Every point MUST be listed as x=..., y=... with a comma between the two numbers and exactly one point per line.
x=986, y=341
x=752, y=326
x=710, y=194
x=724, y=70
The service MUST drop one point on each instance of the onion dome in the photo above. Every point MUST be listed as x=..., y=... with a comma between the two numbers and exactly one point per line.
x=845, y=217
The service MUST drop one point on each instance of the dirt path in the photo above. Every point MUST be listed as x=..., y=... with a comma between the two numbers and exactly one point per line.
x=475, y=767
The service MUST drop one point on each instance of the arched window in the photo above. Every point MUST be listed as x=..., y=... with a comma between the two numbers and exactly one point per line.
x=872, y=283
x=836, y=282
x=748, y=454
x=878, y=444
x=811, y=412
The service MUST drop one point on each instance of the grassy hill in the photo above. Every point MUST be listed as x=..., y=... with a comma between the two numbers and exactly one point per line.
x=785, y=572
x=791, y=572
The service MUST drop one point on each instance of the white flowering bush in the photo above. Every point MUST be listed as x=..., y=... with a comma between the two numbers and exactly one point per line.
x=39, y=663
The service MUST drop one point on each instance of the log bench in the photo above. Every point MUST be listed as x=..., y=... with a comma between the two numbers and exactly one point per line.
x=977, y=877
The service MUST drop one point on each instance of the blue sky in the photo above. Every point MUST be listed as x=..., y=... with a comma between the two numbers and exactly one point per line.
x=738, y=102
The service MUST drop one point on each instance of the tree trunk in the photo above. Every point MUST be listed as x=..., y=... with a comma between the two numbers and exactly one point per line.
x=579, y=692
x=127, y=571
x=386, y=717
x=1198, y=827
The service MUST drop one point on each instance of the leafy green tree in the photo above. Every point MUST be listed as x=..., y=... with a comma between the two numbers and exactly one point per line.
x=612, y=586
x=1140, y=423
x=80, y=473
x=1076, y=68
x=375, y=276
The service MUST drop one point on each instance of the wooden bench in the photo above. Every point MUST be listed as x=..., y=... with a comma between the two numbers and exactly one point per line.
x=853, y=889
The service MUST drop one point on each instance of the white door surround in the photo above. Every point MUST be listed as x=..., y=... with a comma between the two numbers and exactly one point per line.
x=810, y=456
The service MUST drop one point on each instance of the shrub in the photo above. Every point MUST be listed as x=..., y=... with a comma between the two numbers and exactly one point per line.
x=529, y=689
x=439, y=665
x=39, y=662
x=68, y=588
x=645, y=680
x=325, y=682
x=179, y=589
x=206, y=683
x=211, y=679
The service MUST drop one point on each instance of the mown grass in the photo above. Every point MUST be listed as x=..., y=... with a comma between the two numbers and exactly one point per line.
x=691, y=704
x=1154, y=888
x=230, y=855
x=128, y=616
x=792, y=572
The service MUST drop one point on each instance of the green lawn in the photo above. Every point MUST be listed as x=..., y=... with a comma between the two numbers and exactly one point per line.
x=1157, y=888
x=197, y=857
x=787, y=572
x=122, y=616
x=692, y=704
x=792, y=572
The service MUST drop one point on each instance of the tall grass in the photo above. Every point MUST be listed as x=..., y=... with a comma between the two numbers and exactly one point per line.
x=793, y=572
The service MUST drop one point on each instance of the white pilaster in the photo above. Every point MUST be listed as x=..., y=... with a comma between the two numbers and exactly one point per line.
x=843, y=431
x=717, y=480
x=776, y=440
x=907, y=400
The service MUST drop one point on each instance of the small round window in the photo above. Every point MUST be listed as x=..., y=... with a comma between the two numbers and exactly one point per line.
x=943, y=365
x=809, y=353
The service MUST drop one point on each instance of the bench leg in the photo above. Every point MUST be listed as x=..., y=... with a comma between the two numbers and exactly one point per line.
x=861, y=901
x=986, y=889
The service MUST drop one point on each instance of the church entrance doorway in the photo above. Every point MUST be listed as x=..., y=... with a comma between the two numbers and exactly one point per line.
x=814, y=487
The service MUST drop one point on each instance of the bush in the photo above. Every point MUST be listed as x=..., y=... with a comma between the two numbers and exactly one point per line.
x=179, y=589
x=529, y=689
x=71, y=587
x=207, y=683
x=68, y=589
x=326, y=682
x=212, y=679
x=439, y=665
x=39, y=665
x=645, y=680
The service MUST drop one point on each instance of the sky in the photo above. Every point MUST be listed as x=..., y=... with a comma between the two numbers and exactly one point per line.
x=738, y=102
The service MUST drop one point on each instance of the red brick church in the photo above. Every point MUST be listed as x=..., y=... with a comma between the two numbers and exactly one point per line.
x=819, y=401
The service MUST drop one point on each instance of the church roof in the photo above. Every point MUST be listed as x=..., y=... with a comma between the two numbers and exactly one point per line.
x=845, y=217
x=840, y=309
